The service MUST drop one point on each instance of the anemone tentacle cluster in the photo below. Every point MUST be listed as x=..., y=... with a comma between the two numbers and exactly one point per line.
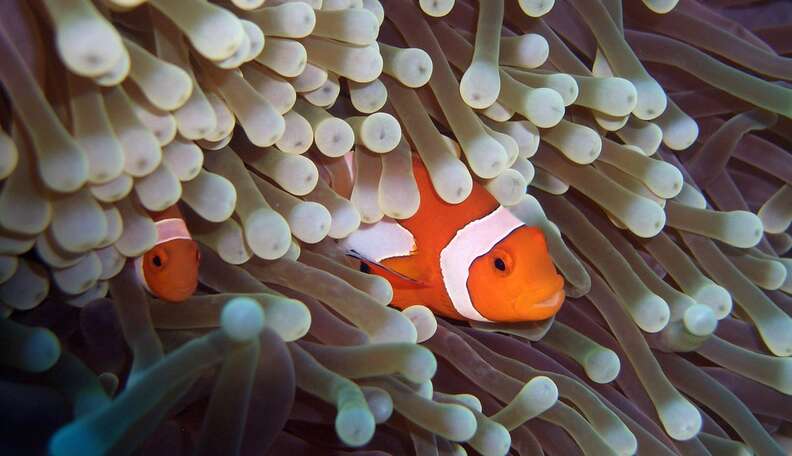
x=650, y=141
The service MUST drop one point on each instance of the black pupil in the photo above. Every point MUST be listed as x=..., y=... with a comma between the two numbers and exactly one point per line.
x=157, y=261
x=500, y=264
x=364, y=267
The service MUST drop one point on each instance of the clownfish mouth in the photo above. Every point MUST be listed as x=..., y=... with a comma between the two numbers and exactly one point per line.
x=548, y=307
x=553, y=302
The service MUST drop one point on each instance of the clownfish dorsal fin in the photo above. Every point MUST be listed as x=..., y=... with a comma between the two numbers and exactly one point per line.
x=437, y=221
x=171, y=212
x=336, y=172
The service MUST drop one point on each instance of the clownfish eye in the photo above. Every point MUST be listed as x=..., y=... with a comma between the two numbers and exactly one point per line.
x=157, y=261
x=500, y=265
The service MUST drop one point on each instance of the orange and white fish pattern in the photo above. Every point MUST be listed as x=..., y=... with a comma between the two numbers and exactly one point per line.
x=472, y=261
x=169, y=270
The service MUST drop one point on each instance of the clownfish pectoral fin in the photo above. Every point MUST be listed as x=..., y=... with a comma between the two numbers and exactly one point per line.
x=412, y=266
x=397, y=279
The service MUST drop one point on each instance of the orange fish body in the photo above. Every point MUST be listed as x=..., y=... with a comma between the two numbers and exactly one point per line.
x=169, y=270
x=469, y=261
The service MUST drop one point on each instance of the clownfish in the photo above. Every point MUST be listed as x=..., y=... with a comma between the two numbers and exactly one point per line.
x=169, y=270
x=469, y=261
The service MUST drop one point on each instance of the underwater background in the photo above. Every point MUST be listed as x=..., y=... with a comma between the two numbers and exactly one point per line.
x=653, y=138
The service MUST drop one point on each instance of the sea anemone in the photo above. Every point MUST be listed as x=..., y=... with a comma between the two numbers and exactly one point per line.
x=652, y=138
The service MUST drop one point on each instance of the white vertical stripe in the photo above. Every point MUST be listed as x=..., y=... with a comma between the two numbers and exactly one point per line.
x=381, y=240
x=141, y=274
x=473, y=240
x=170, y=229
x=167, y=230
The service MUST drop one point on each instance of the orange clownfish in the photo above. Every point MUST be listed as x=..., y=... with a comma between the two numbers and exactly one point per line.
x=169, y=271
x=469, y=261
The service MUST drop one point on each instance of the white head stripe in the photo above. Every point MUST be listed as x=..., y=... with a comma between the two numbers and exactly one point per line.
x=473, y=240
x=170, y=229
x=167, y=230
x=141, y=274
x=381, y=240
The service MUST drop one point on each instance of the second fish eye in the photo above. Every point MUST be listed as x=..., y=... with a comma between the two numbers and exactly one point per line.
x=500, y=264
x=157, y=261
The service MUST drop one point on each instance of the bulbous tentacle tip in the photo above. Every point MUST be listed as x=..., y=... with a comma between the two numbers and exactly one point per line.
x=242, y=319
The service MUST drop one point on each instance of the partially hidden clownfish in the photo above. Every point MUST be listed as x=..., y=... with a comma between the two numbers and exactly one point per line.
x=169, y=270
x=469, y=261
